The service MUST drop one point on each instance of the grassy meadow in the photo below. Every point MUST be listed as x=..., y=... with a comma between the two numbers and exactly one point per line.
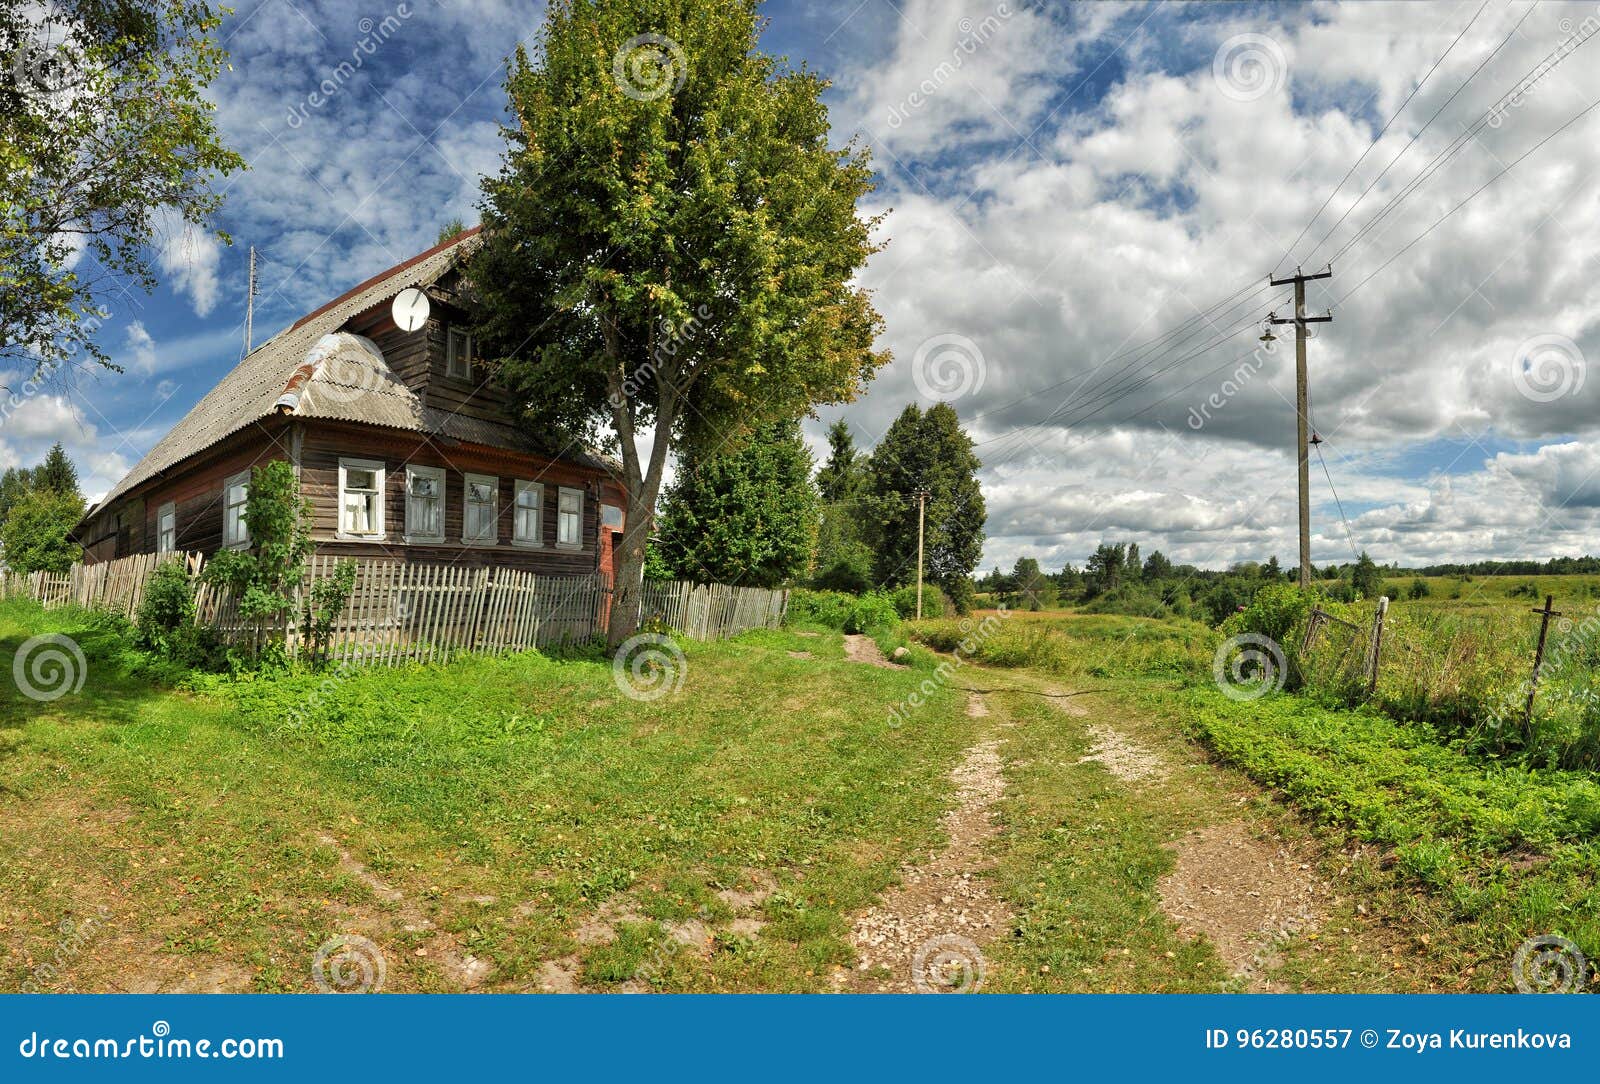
x=482, y=811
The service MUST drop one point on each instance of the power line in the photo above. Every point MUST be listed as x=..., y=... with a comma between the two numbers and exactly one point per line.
x=1522, y=85
x=1381, y=174
x=1115, y=397
x=1227, y=303
x=1381, y=132
x=1440, y=220
x=1348, y=533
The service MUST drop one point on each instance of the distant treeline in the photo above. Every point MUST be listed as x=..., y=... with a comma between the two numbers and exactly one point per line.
x=1558, y=566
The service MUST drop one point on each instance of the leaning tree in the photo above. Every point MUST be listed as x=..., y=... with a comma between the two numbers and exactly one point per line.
x=671, y=244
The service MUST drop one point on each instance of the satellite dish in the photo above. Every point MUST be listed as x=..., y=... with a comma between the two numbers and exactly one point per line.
x=410, y=309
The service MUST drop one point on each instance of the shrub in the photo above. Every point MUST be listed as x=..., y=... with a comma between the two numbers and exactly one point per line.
x=829, y=609
x=934, y=604
x=167, y=607
x=1418, y=589
x=872, y=612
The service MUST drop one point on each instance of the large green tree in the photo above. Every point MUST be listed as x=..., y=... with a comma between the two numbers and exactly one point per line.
x=844, y=559
x=672, y=244
x=1037, y=591
x=37, y=533
x=56, y=472
x=927, y=450
x=106, y=134
x=744, y=517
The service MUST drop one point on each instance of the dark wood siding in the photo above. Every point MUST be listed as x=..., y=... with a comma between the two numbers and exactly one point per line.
x=326, y=443
x=195, y=490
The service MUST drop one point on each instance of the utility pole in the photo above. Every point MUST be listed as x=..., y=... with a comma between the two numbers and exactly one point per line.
x=250, y=301
x=922, y=509
x=1302, y=410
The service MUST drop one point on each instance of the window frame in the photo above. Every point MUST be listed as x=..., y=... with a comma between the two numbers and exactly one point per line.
x=230, y=539
x=493, y=539
x=561, y=495
x=169, y=510
x=380, y=478
x=452, y=332
x=437, y=474
x=520, y=486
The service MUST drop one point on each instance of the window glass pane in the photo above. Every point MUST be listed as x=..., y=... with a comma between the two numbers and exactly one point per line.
x=528, y=524
x=528, y=497
x=424, y=486
x=482, y=492
x=359, y=479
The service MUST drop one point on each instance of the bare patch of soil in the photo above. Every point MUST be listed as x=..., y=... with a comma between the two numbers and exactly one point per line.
x=1122, y=756
x=977, y=707
x=858, y=648
x=695, y=935
x=463, y=971
x=1244, y=895
x=801, y=655
x=943, y=900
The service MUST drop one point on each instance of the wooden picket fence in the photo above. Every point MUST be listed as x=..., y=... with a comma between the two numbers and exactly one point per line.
x=711, y=611
x=401, y=612
x=112, y=585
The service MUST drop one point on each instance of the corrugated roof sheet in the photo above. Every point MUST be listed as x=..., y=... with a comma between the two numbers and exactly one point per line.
x=316, y=371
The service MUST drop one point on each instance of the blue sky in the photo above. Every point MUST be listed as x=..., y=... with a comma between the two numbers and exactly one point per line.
x=1065, y=182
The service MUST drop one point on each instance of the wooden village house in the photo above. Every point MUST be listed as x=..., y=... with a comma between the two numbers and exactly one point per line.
x=403, y=449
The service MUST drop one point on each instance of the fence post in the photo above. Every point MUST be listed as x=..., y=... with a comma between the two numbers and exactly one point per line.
x=1538, y=656
x=1377, y=643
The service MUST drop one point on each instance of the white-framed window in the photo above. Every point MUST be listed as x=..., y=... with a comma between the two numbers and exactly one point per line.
x=167, y=528
x=235, y=495
x=569, y=518
x=527, y=528
x=611, y=516
x=360, y=498
x=481, y=493
x=424, y=504
x=458, y=353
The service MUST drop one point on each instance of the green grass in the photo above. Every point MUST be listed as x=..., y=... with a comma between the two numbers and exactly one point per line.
x=506, y=799
x=1508, y=852
x=1074, y=645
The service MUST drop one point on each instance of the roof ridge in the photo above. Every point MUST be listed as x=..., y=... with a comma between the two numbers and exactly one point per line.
x=375, y=279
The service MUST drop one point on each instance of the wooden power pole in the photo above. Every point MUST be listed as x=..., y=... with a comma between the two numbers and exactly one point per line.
x=922, y=509
x=250, y=302
x=1302, y=410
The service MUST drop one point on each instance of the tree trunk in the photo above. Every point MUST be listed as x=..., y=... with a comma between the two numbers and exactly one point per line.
x=628, y=585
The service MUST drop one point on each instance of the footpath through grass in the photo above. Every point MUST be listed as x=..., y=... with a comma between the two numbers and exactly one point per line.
x=1461, y=855
x=481, y=811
